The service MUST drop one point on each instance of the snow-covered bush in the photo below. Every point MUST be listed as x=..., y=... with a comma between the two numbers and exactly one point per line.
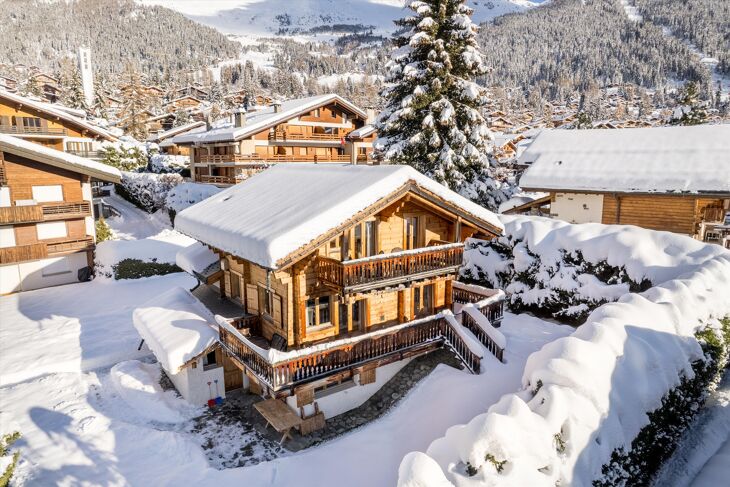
x=126, y=154
x=8, y=463
x=594, y=405
x=147, y=190
x=166, y=163
x=103, y=231
x=555, y=269
x=137, y=269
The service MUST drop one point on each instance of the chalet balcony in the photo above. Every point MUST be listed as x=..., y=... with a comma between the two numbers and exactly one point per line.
x=283, y=136
x=42, y=250
x=22, y=130
x=88, y=154
x=390, y=269
x=44, y=212
x=281, y=370
x=262, y=159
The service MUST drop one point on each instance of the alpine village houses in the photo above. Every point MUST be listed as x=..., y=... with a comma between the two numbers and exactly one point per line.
x=47, y=230
x=338, y=272
x=675, y=179
x=320, y=129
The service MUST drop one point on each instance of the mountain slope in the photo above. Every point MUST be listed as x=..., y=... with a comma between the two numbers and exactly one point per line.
x=259, y=18
x=42, y=32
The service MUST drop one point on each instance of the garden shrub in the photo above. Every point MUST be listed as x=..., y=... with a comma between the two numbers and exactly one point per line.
x=5, y=442
x=136, y=269
x=103, y=231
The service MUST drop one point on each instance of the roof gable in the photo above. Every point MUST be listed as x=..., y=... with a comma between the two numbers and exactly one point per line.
x=288, y=208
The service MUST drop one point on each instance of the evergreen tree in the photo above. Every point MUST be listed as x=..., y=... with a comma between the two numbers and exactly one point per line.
x=432, y=119
x=135, y=101
x=691, y=111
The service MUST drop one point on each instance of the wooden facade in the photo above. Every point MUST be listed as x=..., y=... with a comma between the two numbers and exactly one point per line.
x=383, y=269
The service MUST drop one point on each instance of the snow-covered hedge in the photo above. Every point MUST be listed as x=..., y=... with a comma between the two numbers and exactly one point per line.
x=187, y=194
x=592, y=403
x=126, y=154
x=558, y=270
x=147, y=190
x=166, y=163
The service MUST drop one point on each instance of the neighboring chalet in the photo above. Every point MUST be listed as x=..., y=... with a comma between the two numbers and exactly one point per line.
x=165, y=139
x=338, y=271
x=313, y=129
x=665, y=178
x=47, y=227
x=55, y=127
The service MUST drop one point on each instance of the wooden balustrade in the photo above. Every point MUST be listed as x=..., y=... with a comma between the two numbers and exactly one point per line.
x=391, y=268
x=311, y=366
x=482, y=335
x=204, y=178
x=22, y=130
x=23, y=253
x=283, y=136
x=21, y=214
x=60, y=211
x=67, y=246
x=88, y=154
x=271, y=158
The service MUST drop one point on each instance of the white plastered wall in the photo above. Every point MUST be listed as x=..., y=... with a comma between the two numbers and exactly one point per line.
x=37, y=274
x=192, y=383
x=577, y=207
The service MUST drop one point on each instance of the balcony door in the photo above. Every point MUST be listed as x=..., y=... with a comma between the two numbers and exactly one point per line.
x=411, y=232
x=364, y=239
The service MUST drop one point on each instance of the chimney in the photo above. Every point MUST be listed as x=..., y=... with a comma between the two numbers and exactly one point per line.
x=208, y=121
x=239, y=117
x=277, y=106
x=370, y=112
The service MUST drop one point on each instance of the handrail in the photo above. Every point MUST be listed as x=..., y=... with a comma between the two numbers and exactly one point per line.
x=62, y=210
x=271, y=158
x=22, y=253
x=307, y=367
x=283, y=135
x=470, y=323
x=62, y=246
x=389, y=266
x=20, y=129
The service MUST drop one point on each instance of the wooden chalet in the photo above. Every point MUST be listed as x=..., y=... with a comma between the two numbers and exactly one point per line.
x=165, y=138
x=341, y=269
x=52, y=126
x=186, y=102
x=47, y=230
x=663, y=178
x=313, y=129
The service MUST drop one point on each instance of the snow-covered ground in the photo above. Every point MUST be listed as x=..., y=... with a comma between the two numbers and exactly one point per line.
x=87, y=427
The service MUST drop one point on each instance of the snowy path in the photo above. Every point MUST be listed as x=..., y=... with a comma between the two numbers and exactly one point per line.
x=75, y=432
x=703, y=454
x=134, y=223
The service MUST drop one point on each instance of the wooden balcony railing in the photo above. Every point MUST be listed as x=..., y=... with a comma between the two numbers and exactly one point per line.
x=22, y=130
x=492, y=301
x=88, y=154
x=258, y=159
x=62, y=211
x=204, y=178
x=307, y=367
x=282, y=135
x=470, y=323
x=389, y=269
x=44, y=212
x=23, y=253
x=68, y=246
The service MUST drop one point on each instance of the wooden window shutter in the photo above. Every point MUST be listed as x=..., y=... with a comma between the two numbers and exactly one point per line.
x=366, y=302
x=227, y=283
x=277, y=310
x=367, y=377
x=252, y=298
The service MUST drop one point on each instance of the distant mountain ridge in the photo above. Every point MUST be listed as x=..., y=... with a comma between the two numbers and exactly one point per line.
x=158, y=40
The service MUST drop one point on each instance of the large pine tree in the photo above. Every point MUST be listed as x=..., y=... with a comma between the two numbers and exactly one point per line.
x=433, y=116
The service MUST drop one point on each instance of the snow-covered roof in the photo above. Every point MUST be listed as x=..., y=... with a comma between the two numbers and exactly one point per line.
x=268, y=117
x=520, y=199
x=362, y=132
x=276, y=212
x=176, y=327
x=53, y=157
x=198, y=260
x=160, y=136
x=653, y=160
x=56, y=112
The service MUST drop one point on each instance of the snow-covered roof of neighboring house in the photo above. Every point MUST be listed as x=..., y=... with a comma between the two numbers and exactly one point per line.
x=64, y=160
x=694, y=159
x=271, y=215
x=521, y=199
x=266, y=118
x=176, y=327
x=160, y=136
x=62, y=114
x=198, y=261
x=362, y=132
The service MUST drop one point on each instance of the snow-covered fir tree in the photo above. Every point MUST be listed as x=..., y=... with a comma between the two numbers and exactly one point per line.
x=433, y=119
x=691, y=111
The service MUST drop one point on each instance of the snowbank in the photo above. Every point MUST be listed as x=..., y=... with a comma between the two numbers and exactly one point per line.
x=585, y=395
x=176, y=327
x=138, y=384
x=166, y=163
x=196, y=258
x=188, y=194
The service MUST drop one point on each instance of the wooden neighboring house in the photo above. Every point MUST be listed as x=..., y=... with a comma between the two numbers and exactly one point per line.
x=663, y=178
x=165, y=138
x=312, y=129
x=48, y=86
x=187, y=102
x=8, y=84
x=362, y=143
x=47, y=227
x=60, y=128
x=339, y=270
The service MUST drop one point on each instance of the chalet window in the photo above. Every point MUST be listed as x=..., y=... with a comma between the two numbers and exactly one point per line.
x=423, y=300
x=358, y=241
x=316, y=112
x=7, y=237
x=364, y=239
x=42, y=194
x=319, y=311
x=344, y=117
x=362, y=151
x=236, y=286
x=370, y=242
x=357, y=315
x=412, y=231
x=33, y=122
x=48, y=230
x=265, y=300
